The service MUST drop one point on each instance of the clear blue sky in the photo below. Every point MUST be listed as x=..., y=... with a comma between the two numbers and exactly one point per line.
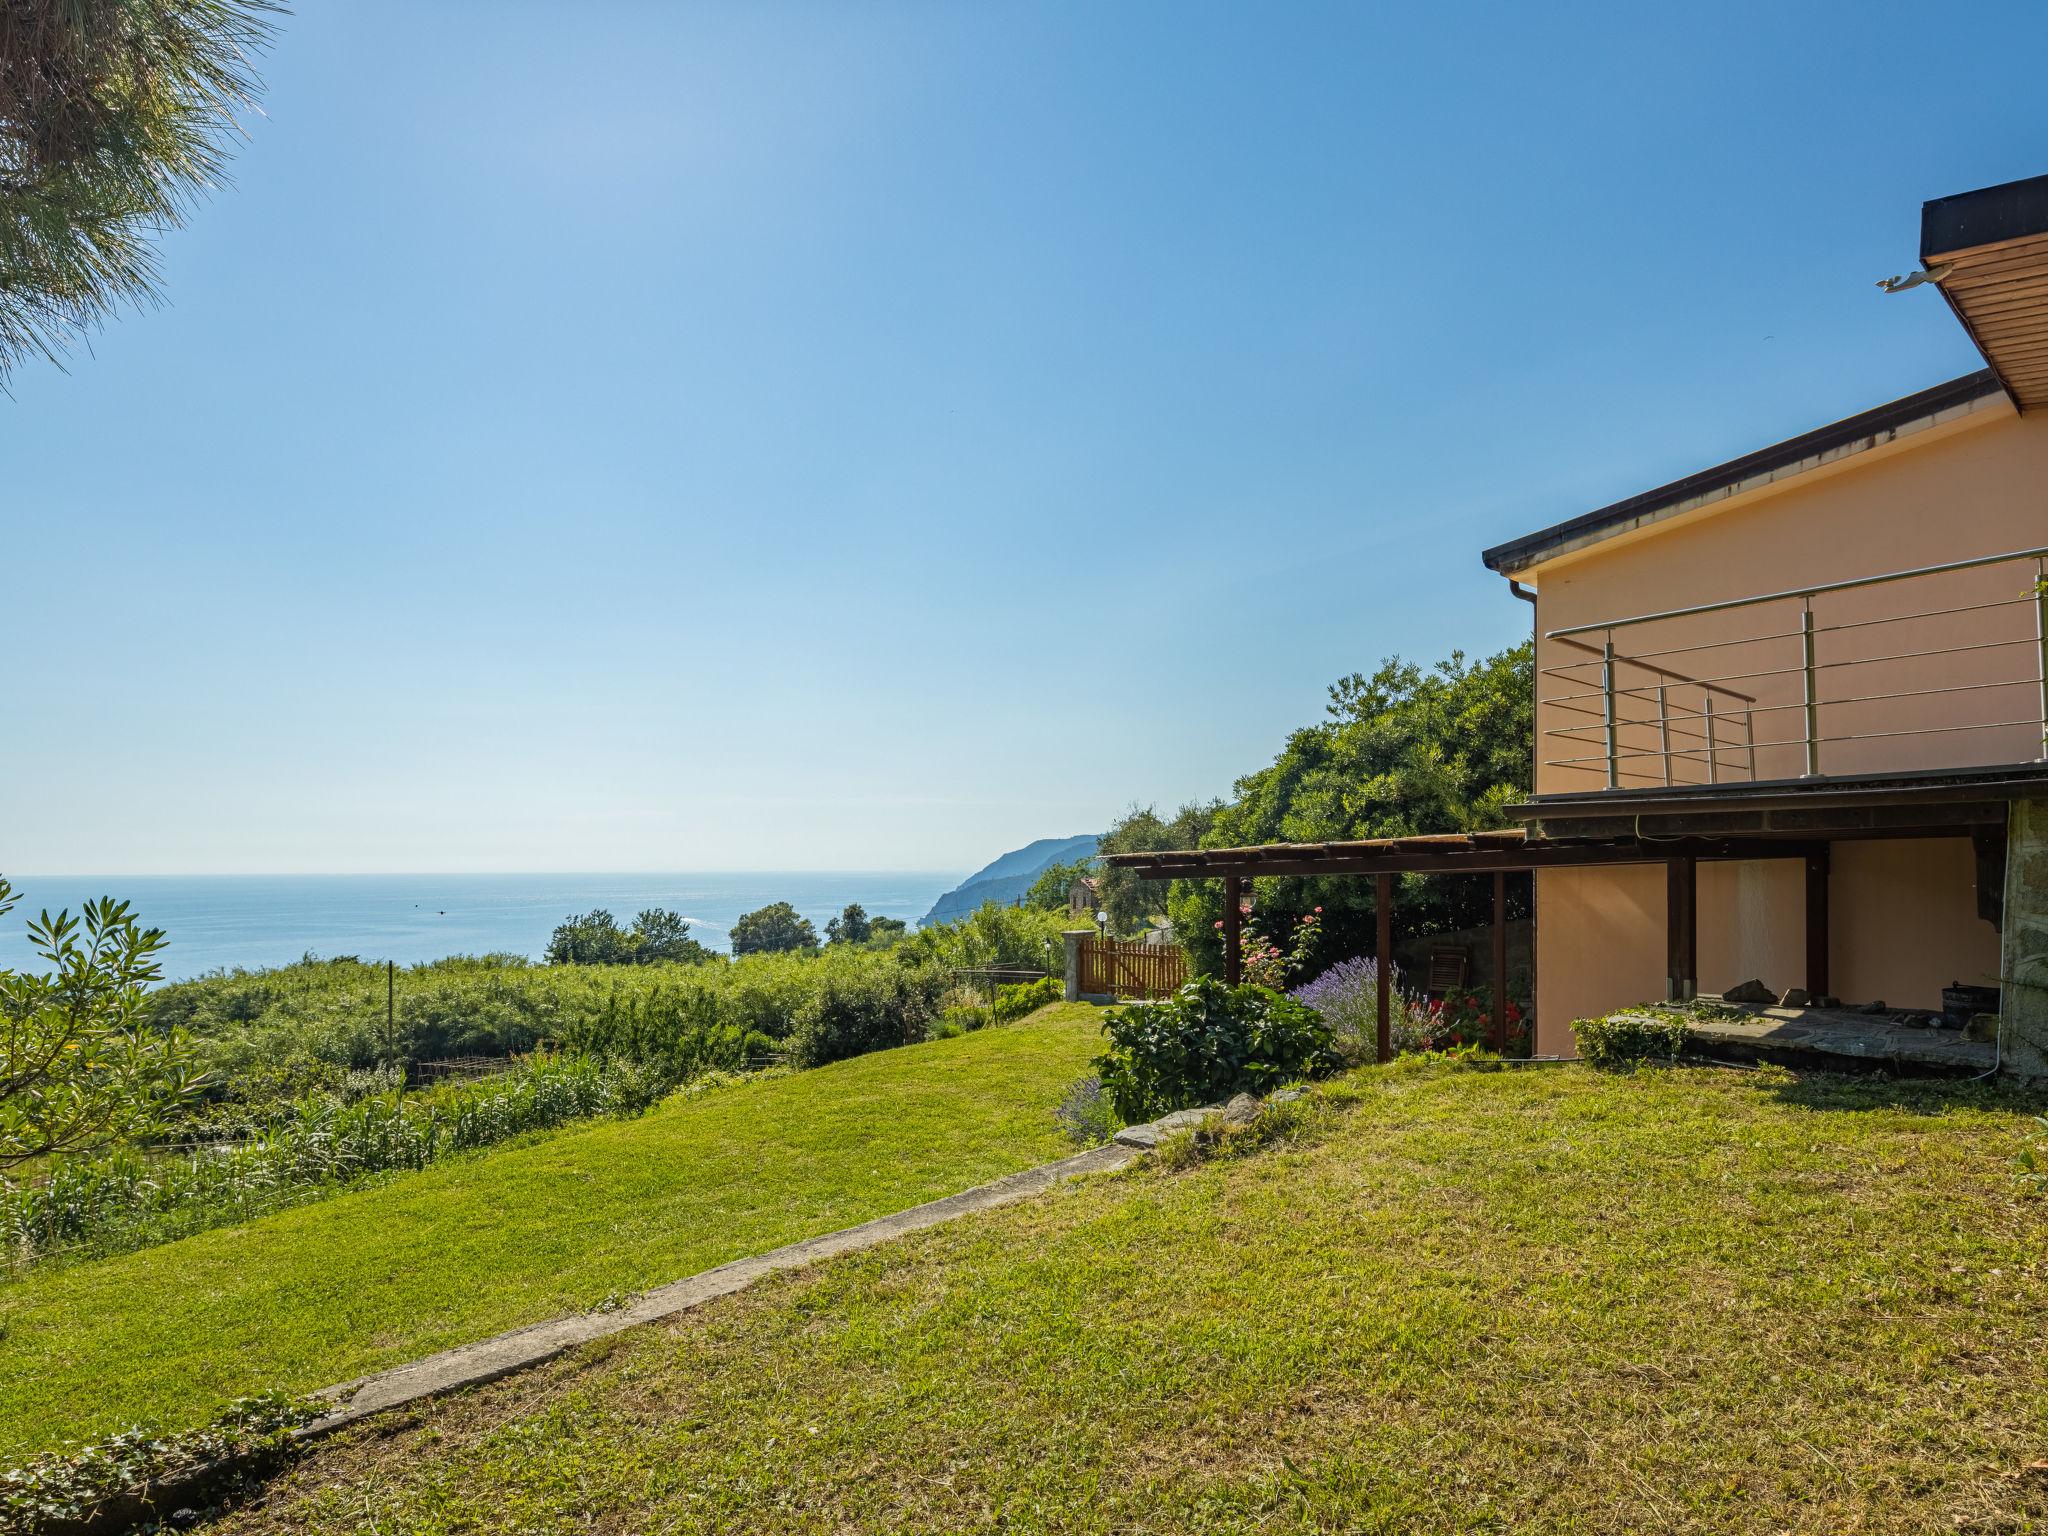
x=663, y=436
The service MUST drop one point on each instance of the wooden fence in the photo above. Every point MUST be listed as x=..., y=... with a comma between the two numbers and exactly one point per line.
x=1115, y=968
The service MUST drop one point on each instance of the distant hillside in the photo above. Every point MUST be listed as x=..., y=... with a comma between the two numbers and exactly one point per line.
x=1009, y=877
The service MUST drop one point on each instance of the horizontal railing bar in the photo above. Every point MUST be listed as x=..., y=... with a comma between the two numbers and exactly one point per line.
x=1559, y=668
x=1568, y=732
x=1846, y=661
x=1664, y=672
x=1800, y=741
x=1767, y=709
x=1796, y=592
x=1915, y=693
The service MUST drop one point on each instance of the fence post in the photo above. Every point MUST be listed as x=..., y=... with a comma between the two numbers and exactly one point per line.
x=1073, y=938
x=1713, y=747
x=1812, y=696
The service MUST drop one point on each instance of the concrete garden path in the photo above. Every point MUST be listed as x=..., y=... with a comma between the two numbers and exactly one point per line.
x=471, y=1365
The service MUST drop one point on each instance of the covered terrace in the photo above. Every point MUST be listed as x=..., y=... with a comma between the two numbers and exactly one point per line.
x=1498, y=854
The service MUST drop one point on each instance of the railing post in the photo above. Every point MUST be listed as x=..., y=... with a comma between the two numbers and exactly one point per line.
x=1812, y=696
x=1664, y=729
x=1749, y=738
x=2041, y=644
x=1607, y=689
x=1713, y=749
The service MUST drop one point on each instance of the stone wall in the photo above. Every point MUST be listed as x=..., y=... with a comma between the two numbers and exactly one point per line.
x=2023, y=1027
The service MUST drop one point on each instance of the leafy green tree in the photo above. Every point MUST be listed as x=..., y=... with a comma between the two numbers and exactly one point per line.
x=1130, y=902
x=773, y=929
x=595, y=938
x=114, y=119
x=853, y=926
x=885, y=931
x=659, y=934
x=80, y=1067
x=1403, y=751
x=1048, y=892
x=590, y=938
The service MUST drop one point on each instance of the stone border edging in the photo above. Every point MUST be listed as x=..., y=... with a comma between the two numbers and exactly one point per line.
x=506, y=1354
x=472, y=1365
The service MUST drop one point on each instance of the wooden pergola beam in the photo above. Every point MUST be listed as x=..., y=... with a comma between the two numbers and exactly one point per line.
x=1233, y=930
x=1499, y=1011
x=1281, y=863
x=1681, y=913
x=1818, y=867
x=1383, y=960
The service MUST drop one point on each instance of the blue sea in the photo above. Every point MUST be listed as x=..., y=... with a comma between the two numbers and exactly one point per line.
x=221, y=922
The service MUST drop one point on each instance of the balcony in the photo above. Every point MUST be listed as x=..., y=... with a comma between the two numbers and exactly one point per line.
x=1937, y=669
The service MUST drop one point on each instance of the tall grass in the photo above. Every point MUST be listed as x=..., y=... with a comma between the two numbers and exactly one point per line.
x=307, y=1069
x=131, y=1199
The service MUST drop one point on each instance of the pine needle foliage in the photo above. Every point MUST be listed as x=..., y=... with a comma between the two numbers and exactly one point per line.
x=115, y=119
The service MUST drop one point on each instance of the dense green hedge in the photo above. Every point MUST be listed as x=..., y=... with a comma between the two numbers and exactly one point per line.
x=1632, y=1035
x=1207, y=1042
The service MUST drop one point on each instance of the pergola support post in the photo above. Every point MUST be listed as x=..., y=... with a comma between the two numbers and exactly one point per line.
x=1233, y=929
x=1681, y=912
x=1499, y=1011
x=1383, y=960
x=1817, y=871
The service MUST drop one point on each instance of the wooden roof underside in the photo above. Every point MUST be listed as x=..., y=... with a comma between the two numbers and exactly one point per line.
x=1996, y=243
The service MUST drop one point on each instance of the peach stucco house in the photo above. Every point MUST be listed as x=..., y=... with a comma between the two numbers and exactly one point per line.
x=1791, y=709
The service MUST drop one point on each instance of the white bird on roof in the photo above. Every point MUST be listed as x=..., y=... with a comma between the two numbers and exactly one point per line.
x=1897, y=284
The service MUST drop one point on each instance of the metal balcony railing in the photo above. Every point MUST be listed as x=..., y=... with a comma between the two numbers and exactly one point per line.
x=1837, y=684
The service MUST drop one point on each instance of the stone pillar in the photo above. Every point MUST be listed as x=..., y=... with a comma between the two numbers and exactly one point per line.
x=1074, y=936
x=2023, y=948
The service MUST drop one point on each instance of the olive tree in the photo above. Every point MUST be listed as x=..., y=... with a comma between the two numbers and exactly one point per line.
x=80, y=1065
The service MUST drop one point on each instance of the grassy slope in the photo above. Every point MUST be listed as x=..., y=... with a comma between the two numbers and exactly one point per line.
x=471, y=1247
x=1534, y=1301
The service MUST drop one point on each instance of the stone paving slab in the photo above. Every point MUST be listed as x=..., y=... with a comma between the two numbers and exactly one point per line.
x=1865, y=1038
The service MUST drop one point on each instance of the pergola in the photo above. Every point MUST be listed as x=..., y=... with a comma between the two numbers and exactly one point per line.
x=1498, y=853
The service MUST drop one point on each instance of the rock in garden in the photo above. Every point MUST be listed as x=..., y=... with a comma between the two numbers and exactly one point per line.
x=1876, y=1007
x=1751, y=991
x=1241, y=1110
x=1795, y=997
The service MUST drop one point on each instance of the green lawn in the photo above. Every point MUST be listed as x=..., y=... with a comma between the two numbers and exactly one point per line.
x=1452, y=1301
x=477, y=1245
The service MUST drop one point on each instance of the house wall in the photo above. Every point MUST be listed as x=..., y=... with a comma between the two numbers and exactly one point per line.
x=1903, y=920
x=1975, y=487
x=1902, y=924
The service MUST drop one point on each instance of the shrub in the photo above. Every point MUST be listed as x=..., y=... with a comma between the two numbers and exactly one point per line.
x=66, y=1489
x=1464, y=1017
x=853, y=1012
x=1026, y=997
x=1347, y=997
x=1085, y=1115
x=1207, y=1042
x=1630, y=1036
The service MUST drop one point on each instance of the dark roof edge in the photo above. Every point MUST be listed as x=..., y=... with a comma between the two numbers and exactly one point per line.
x=1988, y=216
x=1518, y=554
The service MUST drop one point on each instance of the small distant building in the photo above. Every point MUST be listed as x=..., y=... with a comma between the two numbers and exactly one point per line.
x=1082, y=896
